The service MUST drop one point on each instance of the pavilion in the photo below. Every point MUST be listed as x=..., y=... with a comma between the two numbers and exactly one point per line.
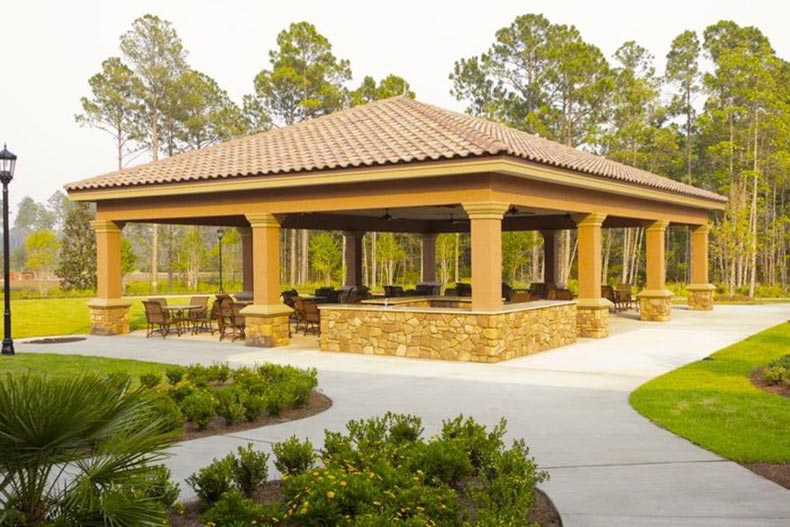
x=399, y=165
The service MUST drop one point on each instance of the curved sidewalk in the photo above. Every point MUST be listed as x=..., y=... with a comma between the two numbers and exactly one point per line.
x=608, y=465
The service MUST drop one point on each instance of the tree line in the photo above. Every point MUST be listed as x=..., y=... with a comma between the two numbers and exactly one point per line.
x=716, y=117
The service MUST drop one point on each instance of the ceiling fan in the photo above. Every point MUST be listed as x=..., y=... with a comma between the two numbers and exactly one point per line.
x=386, y=216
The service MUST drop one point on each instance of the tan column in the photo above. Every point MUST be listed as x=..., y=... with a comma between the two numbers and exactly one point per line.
x=700, y=292
x=109, y=313
x=589, y=254
x=108, y=259
x=486, y=229
x=550, y=258
x=353, y=257
x=655, y=255
x=266, y=258
x=428, y=257
x=655, y=302
x=267, y=319
x=699, y=254
x=246, y=259
x=592, y=311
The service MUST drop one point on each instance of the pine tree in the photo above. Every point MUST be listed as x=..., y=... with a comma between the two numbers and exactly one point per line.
x=77, y=268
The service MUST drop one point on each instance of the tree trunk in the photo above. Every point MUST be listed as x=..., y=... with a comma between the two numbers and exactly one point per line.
x=374, y=279
x=292, y=256
x=304, y=258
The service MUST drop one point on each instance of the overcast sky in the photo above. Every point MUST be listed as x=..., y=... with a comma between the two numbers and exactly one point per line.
x=51, y=48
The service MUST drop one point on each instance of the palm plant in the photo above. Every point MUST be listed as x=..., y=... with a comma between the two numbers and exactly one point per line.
x=79, y=451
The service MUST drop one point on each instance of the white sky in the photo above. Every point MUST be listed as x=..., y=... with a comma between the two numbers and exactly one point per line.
x=51, y=48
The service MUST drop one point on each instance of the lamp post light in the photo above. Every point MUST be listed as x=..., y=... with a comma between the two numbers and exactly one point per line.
x=7, y=165
x=220, y=234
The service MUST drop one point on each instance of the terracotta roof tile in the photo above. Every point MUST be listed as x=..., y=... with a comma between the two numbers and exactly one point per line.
x=397, y=130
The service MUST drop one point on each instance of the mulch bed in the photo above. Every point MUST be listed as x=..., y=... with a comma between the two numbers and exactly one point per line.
x=316, y=404
x=54, y=340
x=778, y=473
x=759, y=382
x=543, y=513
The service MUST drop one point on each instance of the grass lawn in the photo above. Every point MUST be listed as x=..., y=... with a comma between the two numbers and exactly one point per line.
x=714, y=404
x=55, y=365
x=63, y=316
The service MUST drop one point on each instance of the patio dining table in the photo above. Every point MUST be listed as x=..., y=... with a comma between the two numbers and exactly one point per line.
x=180, y=314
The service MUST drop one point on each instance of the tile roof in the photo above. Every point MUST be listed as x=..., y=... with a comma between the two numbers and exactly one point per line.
x=393, y=131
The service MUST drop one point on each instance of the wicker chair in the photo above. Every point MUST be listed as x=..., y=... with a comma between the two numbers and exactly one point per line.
x=157, y=318
x=312, y=316
x=200, y=318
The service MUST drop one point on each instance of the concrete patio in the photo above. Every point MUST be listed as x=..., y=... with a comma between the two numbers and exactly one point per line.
x=608, y=465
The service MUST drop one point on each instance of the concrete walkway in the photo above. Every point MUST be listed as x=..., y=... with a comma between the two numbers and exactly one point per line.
x=608, y=465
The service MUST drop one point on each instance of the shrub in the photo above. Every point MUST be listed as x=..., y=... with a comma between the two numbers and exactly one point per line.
x=198, y=375
x=444, y=461
x=479, y=444
x=158, y=486
x=174, y=374
x=249, y=469
x=230, y=405
x=293, y=456
x=776, y=374
x=233, y=508
x=181, y=391
x=778, y=371
x=211, y=482
x=150, y=380
x=218, y=372
x=276, y=401
x=170, y=414
x=200, y=408
x=254, y=406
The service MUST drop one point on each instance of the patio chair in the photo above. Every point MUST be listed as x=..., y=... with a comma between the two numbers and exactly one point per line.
x=200, y=317
x=235, y=327
x=538, y=290
x=607, y=292
x=625, y=297
x=392, y=291
x=160, y=299
x=222, y=312
x=157, y=319
x=312, y=316
x=298, y=314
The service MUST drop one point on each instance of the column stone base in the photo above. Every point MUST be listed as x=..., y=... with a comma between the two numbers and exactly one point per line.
x=266, y=326
x=592, y=317
x=701, y=296
x=109, y=316
x=655, y=305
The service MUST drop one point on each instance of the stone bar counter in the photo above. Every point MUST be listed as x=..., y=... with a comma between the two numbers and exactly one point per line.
x=446, y=328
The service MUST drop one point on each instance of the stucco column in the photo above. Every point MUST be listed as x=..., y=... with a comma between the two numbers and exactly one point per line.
x=428, y=257
x=592, y=311
x=700, y=290
x=353, y=257
x=267, y=318
x=109, y=313
x=486, y=230
x=246, y=260
x=550, y=258
x=655, y=302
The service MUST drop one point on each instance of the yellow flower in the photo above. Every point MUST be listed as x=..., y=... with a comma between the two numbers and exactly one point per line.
x=330, y=494
x=343, y=483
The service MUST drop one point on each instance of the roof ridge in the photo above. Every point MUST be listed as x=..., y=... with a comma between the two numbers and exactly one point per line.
x=458, y=123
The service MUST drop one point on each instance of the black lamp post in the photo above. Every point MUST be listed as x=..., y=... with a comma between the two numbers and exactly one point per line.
x=7, y=165
x=220, y=234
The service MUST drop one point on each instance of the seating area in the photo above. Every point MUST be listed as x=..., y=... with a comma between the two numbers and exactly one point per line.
x=621, y=297
x=195, y=317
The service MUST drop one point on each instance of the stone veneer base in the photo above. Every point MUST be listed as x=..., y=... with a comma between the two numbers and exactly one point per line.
x=700, y=297
x=109, y=319
x=266, y=331
x=448, y=334
x=592, y=318
x=655, y=306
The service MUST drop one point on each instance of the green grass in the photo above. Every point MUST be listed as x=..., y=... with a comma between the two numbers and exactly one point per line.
x=63, y=316
x=714, y=404
x=54, y=365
